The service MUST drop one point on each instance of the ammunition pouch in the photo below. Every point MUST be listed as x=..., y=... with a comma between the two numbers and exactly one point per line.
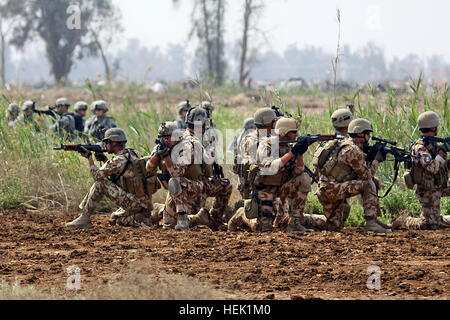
x=251, y=208
x=324, y=155
x=252, y=174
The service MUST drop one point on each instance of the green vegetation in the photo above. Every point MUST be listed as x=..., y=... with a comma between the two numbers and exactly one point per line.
x=36, y=177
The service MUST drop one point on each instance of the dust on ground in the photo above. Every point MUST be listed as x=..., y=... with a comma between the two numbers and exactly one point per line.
x=36, y=250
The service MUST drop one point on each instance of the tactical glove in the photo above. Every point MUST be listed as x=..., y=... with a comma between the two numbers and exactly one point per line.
x=85, y=153
x=300, y=148
x=162, y=151
x=101, y=157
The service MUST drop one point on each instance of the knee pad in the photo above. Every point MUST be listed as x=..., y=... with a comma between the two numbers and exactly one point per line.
x=175, y=188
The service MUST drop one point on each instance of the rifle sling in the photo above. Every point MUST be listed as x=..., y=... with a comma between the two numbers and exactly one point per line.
x=396, y=169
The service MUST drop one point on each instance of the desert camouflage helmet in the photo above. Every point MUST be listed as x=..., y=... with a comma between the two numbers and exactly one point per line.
x=99, y=105
x=208, y=106
x=360, y=126
x=115, y=135
x=341, y=118
x=183, y=106
x=166, y=129
x=428, y=120
x=264, y=116
x=249, y=123
x=285, y=125
x=197, y=114
x=27, y=105
x=13, y=108
x=62, y=102
x=81, y=105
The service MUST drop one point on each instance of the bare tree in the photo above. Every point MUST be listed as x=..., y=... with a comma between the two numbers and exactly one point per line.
x=251, y=9
x=6, y=26
x=208, y=27
x=103, y=28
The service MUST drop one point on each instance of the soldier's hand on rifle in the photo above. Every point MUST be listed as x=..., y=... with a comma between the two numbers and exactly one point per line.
x=300, y=148
x=162, y=151
x=85, y=153
x=101, y=157
x=380, y=156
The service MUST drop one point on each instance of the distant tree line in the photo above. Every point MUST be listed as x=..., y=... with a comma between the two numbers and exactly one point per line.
x=76, y=42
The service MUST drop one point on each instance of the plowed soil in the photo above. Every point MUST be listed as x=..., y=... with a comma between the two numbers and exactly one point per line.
x=36, y=249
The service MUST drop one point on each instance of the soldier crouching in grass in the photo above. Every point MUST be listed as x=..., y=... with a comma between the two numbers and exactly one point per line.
x=430, y=174
x=123, y=179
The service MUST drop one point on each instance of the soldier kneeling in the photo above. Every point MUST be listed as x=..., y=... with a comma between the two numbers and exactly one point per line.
x=123, y=179
x=280, y=174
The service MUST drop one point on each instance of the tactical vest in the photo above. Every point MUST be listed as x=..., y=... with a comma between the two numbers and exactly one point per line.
x=324, y=152
x=283, y=175
x=326, y=161
x=139, y=182
x=197, y=172
x=421, y=176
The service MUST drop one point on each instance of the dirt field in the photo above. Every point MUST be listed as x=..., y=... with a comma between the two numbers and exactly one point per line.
x=36, y=249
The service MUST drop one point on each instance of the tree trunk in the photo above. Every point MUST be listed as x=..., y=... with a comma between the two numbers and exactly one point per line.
x=3, y=62
x=104, y=59
x=207, y=38
x=219, y=70
x=247, y=13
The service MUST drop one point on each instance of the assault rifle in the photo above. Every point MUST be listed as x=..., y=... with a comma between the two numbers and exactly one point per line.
x=400, y=156
x=445, y=141
x=311, y=139
x=78, y=147
x=48, y=112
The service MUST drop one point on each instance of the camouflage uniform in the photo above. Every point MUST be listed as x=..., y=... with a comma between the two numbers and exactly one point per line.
x=96, y=127
x=289, y=183
x=245, y=154
x=432, y=185
x=133, y=209
x=192, y=166
x=167, y=211
x=350, y=176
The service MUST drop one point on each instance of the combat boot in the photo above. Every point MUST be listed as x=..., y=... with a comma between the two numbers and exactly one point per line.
x=237, y=220
x=294, y=225
x=373, y=226
x=82, y=222
x=445, y=221
x=157, y=213
x=202, y=218
x=182, y=222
